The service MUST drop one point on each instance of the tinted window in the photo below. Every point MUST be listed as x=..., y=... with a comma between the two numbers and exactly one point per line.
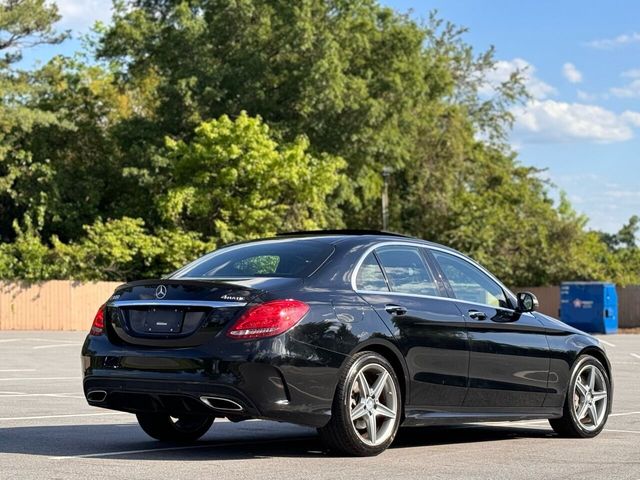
x=469, y=283
x=292, y=258
x=370, y=276
x=406, y=270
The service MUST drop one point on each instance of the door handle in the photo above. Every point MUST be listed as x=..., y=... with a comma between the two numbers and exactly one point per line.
x=477, y=315
x=395, y=309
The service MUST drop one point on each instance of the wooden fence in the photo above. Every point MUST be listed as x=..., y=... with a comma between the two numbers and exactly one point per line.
x=53, y=305
x=69, y=305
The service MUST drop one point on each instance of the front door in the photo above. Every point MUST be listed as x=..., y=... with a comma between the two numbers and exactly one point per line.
x=509, y=360
x=397, y=281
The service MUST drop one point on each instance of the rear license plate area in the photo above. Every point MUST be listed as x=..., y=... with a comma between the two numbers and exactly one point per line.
x=158, y=320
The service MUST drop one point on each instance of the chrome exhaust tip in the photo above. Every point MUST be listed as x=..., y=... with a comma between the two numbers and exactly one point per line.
x=97, y=396
x=219, y=403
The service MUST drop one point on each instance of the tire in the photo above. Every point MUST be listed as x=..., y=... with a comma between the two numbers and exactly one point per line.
x=163, y=427
x=345, y=436
x=577, y=398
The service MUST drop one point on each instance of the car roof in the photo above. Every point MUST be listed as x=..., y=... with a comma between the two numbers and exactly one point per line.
x=356, y=236
x=341, y=233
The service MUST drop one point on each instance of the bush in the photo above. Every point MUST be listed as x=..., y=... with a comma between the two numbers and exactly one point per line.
x=119, y=249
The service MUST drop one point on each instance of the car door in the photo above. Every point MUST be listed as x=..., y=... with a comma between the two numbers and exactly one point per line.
x=399, y=283
x=509, y=353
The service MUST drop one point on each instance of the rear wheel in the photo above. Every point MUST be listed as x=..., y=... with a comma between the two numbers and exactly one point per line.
x=187, y=428
x=588, y=401
x=366, y=409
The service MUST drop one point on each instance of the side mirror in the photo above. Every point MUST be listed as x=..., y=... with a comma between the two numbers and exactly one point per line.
x=527, y=302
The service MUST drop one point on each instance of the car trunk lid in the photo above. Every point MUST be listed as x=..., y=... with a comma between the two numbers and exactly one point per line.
x=181, y=312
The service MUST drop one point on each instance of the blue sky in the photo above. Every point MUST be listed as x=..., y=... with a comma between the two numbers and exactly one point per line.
x=583, y=68
x=583, y=63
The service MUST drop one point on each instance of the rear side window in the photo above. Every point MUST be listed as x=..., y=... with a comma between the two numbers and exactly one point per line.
x=406, y=270
x=370, y=277
x=290, y=258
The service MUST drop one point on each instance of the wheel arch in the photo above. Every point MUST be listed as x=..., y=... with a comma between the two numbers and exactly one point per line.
x=389, y=351
x=601, y=356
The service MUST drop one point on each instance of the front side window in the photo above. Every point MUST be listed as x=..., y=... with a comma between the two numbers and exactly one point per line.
x=406, y=270
x=469, y=283
x=291, y=258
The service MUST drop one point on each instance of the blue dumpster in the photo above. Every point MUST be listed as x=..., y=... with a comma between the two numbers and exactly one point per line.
x=589, y=306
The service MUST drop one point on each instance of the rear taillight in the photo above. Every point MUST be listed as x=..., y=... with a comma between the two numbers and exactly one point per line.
x=98, y=322
x=268, y=319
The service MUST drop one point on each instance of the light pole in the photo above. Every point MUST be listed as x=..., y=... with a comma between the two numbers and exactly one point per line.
x=386, y=173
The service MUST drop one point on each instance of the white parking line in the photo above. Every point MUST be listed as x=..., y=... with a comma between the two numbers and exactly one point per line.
x=21, y=379
x=128, y=452
x=635, y=355
x=608, y=344
x=49, y=340
x=44, y=417
x=524, y=423
x=7, y=340
x=624, y=414
x=59, y=395
x=58, y=345
x=183, y=447
x=621, y=431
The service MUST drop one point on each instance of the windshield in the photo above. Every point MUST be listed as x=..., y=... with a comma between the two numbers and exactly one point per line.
x=269, y=258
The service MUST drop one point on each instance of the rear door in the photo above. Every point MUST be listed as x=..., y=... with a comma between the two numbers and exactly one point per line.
x=509, y=360
x=400, y=285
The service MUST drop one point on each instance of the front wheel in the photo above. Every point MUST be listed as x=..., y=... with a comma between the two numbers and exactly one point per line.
x=588, y=401
x=188, y=428
x=366, y=409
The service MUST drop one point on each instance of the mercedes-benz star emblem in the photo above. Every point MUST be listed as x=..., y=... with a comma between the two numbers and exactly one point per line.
x=161, y=292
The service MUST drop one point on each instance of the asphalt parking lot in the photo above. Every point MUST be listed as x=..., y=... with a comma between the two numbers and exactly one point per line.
x=48, y=431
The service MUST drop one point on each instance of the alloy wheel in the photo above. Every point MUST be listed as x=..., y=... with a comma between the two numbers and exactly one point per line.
x=374, y=404
x=590, y=397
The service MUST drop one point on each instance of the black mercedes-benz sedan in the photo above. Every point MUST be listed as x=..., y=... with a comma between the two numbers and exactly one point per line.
x=352, y=332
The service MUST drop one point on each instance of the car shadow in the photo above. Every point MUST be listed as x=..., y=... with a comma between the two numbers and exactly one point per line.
x=226, y=441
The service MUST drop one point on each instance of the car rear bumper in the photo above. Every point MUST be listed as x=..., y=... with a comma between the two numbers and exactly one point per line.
x=250, y=380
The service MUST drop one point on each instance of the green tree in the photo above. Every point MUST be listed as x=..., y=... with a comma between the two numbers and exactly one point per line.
x=85, y=170
x=626, y=237
x=233, y=181
x=23, y=24
x=359, y=80
x=208, y=121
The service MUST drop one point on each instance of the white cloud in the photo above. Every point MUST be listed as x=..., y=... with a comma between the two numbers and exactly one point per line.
x=550, y=121
x=630, y=90
x=608, y=203
x=585, y=96
x=633, y=73
x=632, y=118
x=622, y=194
x=80, y=15
x=619, y=41
x=571, y=73
x=503, y=70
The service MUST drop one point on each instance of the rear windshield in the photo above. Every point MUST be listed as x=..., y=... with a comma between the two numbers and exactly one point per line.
x=278, y=258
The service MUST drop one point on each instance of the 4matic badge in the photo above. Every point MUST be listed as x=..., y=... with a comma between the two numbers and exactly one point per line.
x=231, y=297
